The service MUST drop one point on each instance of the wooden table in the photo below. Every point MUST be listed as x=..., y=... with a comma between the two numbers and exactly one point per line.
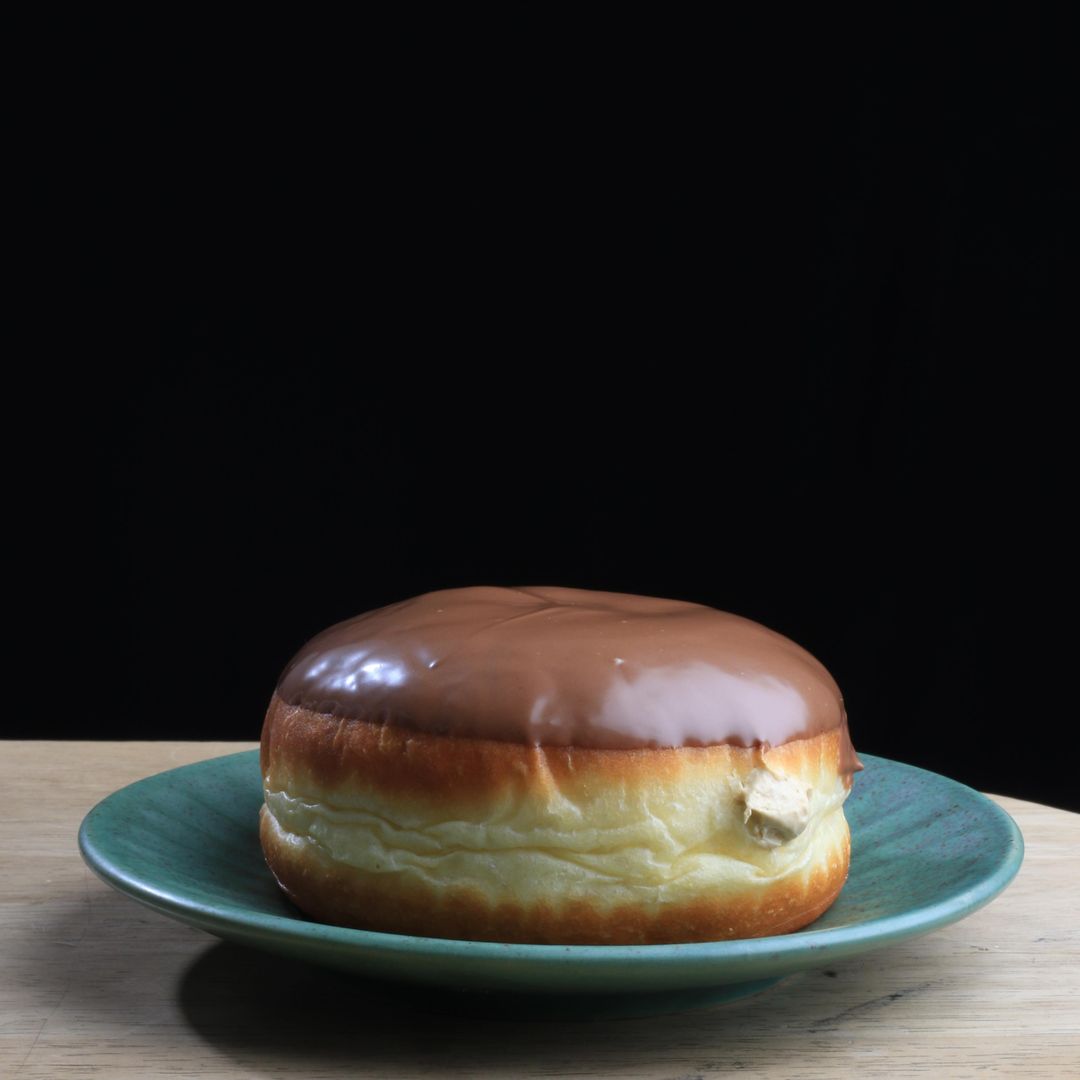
x=94, y=984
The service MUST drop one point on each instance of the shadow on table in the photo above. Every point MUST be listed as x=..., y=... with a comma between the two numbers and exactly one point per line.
x=275, y=1016
x=258, y=1008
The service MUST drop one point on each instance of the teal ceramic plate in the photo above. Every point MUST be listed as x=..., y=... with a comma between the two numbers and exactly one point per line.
x=926, y=851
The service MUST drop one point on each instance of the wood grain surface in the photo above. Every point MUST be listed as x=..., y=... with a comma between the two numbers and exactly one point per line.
x=93, y=984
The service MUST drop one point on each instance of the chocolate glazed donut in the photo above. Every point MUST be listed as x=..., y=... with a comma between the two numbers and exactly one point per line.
x=557, y=766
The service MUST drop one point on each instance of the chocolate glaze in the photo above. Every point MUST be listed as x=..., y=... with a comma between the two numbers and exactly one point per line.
x=553, y=666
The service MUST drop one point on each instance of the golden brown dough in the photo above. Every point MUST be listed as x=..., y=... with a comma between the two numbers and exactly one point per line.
x=381, y=827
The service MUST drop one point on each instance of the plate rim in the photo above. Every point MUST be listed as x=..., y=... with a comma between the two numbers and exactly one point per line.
x=885, y=930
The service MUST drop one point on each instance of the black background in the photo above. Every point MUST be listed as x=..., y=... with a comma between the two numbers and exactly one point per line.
x=783, y=347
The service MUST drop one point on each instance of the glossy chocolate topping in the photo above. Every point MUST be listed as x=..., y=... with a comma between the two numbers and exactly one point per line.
x=568, y=667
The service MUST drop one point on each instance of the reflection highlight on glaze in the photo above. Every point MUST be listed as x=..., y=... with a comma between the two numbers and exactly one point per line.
x=680, y=705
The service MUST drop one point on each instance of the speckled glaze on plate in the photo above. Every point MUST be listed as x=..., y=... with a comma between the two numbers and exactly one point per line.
x=926, y=851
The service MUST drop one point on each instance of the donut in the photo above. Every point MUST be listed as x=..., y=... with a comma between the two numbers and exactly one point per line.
x=556, y=766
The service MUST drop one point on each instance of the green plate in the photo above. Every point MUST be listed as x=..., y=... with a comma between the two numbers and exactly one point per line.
x=926, y=851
